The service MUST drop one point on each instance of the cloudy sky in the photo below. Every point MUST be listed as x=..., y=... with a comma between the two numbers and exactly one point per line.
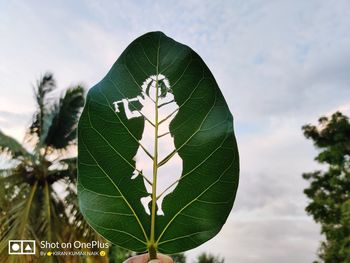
x=280, y=64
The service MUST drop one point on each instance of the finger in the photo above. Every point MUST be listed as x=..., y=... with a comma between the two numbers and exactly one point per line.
x=164, y=258
x=138, y=259
x=144, y=259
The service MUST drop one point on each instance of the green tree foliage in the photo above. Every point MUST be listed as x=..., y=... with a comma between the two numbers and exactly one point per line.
x=209, y=258
x=179, y=258
x=329, y=190
x=32, y=205
x=119, y=254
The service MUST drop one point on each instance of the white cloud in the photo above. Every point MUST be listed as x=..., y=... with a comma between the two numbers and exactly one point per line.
x=254, y=240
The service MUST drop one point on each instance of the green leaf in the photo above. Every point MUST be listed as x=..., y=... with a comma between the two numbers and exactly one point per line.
x=179, y=146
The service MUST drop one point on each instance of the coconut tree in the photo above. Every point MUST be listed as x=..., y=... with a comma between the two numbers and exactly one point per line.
x=38, y=184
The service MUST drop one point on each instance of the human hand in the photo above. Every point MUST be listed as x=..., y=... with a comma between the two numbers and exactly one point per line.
x=144, y=259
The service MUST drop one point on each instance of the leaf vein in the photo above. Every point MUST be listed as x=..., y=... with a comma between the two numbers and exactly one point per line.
x=117, y=188
x=191, y=202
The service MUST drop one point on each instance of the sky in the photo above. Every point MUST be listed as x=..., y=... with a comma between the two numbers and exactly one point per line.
x=280, y=65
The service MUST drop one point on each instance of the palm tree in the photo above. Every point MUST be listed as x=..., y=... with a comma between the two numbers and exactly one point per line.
x=37, y=189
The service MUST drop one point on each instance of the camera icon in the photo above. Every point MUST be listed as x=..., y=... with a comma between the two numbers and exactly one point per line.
x=21, y=247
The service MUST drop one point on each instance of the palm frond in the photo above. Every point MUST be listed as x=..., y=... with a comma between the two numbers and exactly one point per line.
x=50, y=216
x=64, y=118
x=82, y=230
x=44, y=85
x=71, y=168
x=16, y=222
x=11, y=146
x=10, y=183
x=71, y=162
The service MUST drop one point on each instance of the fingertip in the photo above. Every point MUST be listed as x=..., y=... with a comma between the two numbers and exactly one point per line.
x=164, y=258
